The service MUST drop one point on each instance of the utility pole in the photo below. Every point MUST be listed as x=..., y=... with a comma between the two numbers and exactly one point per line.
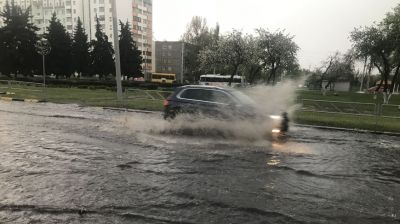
x=363, y=74
x=146, y=73
x=183, y=60
x=116, y=48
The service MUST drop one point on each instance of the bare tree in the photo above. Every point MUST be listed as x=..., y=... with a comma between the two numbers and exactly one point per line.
x=338, y=66
x=198, y=37
x=197, y=32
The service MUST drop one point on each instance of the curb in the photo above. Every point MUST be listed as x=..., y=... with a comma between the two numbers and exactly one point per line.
x=9, y=99
x=347, y=129
x=131, y=110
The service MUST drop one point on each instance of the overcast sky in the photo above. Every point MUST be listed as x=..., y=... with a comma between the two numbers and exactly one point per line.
x=320, y=27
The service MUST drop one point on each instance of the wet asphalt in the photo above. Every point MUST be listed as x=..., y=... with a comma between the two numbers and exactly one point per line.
x=71, y=164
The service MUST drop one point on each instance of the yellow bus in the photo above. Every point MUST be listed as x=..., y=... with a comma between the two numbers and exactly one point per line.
x=163, y=78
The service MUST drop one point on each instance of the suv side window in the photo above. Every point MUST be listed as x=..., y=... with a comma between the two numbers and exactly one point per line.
x=221, y=97
x=197, y=94
x=207, y=95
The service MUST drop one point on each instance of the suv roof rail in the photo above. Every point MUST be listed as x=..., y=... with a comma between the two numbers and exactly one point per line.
x=202, y=86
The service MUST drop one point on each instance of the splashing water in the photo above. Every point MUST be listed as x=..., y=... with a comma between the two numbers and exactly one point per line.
x=268, y=100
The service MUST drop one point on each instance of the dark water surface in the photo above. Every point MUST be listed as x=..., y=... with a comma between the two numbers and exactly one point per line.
x=67, y=164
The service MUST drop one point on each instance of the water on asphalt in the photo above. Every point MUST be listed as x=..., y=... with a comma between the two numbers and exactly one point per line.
x=71, y=164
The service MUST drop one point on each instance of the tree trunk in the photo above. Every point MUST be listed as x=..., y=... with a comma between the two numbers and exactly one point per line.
x=253, y=73
x=328, y=84
x=272, y=74
x=394, y=80
x=382, y=75
x=233, y=75
x=386, y=71
x=386, y=97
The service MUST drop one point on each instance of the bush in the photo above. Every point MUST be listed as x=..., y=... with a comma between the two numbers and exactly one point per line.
x=92, y=84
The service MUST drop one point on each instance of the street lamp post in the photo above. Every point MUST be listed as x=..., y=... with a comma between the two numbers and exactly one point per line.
x=116, y=48
x=146, y=73
x=43, y=48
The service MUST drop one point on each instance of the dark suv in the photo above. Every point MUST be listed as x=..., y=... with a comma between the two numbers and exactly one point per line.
x=217, y=102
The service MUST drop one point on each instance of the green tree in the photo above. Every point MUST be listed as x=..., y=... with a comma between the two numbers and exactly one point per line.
x=102, y=60
x=59, y=61
x=80, y=50
x=381, y=44
x=278, y=53
x=228, y=55
x=252, y=67
x=17, y=42
x=131, y=59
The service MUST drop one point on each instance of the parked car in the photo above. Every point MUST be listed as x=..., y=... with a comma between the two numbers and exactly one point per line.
x=219, y=103
x=375, y=89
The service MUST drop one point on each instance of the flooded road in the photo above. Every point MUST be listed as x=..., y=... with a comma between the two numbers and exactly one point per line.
x=68, y=164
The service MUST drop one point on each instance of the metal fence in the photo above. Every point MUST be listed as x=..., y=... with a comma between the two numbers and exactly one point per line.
x=375, y=116
x=372, y=116
x=156, y=95
x=132, y=97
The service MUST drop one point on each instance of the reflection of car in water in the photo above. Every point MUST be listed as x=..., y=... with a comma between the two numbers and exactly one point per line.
x=220, y=103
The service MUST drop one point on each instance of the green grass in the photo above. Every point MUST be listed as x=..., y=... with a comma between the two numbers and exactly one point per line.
x=346, y=96
x=86, y=97
x=363, y=104
x=348, y=121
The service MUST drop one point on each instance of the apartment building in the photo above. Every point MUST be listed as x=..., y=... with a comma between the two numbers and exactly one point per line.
x=142, y=30
x=68, y=12
x=101, y=9
x=169, y=58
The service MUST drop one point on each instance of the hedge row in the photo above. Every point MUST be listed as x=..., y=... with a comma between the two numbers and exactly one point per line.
x=92, y=84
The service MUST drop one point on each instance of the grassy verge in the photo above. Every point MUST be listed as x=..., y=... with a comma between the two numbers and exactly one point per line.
x=345, y=96
x=86, y=97
x=348, y=121
x=364, y=104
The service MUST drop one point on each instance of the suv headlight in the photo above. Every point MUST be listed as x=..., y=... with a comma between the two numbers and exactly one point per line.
x=275, y=117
